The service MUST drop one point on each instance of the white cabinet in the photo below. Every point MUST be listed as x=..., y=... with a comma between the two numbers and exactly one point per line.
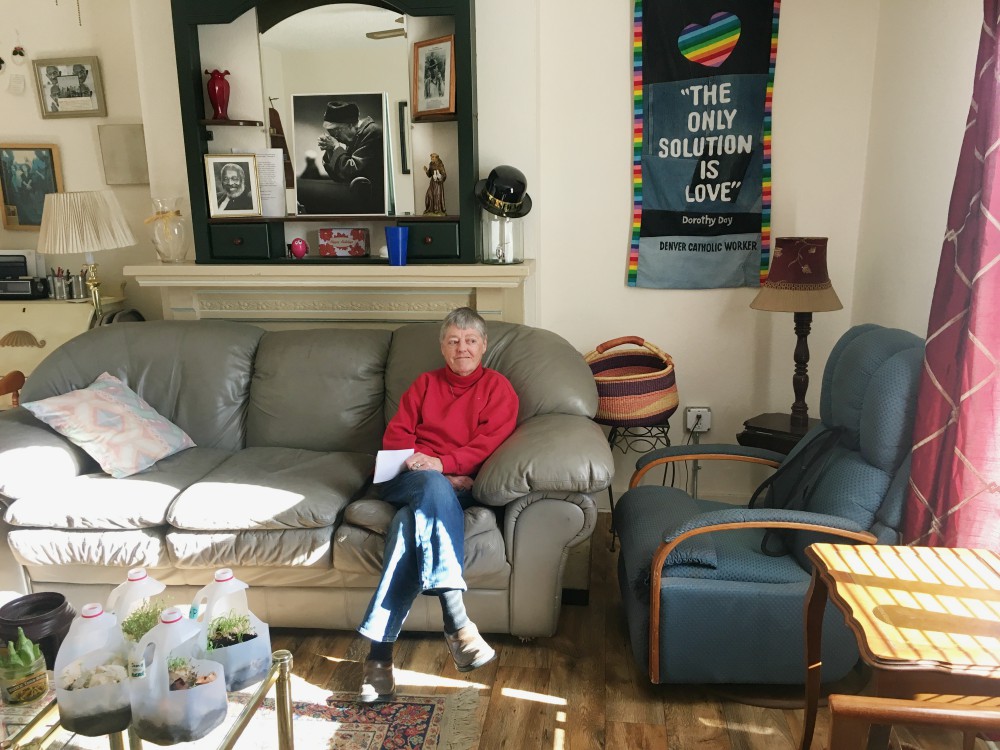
x=30, y=329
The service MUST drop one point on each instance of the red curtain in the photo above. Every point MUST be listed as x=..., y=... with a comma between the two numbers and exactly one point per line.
x=954, y=492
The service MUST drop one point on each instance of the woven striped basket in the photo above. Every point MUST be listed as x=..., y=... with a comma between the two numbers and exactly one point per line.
x=636, y=387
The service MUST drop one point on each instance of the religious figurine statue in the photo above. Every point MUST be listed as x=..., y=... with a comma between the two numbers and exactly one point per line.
x=434, y=200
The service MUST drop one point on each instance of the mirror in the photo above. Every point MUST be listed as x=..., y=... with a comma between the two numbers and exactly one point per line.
x=342, y=50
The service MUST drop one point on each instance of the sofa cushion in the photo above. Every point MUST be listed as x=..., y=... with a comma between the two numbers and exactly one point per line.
x=272, y=548
x=195, y=373
x=123, y=433
x=321, y=390
x=97, y=501
x=132, y=548
x=272, y=488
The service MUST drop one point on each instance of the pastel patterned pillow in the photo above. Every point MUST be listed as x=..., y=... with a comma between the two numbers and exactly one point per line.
x=109, y=420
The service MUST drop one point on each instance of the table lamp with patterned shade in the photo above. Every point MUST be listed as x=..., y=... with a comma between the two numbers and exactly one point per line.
x=84, y=223
x=798, y=283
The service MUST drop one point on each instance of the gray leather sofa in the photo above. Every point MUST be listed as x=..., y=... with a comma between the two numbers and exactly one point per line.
x=286, y=425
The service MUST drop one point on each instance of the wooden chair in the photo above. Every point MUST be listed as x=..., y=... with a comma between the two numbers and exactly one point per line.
x=851, y=717
x=12, y=383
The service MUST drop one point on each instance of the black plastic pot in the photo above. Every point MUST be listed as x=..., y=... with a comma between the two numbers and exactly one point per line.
x=45, y=618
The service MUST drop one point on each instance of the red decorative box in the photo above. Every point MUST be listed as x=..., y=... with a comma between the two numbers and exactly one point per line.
x=344, y=242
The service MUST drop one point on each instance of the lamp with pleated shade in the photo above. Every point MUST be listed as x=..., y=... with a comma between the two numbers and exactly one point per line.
x=85, y=223
x=798, y=282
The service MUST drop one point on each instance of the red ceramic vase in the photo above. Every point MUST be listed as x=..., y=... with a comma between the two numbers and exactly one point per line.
x=218, y=94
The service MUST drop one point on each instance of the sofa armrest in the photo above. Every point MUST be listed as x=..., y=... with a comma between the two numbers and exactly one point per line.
x=31, y=452
x=547, y=453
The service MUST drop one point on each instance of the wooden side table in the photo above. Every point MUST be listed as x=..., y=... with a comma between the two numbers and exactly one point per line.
x=772, y=431
x=927, y=620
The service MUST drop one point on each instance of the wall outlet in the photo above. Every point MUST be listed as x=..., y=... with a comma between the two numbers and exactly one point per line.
x=698, y=418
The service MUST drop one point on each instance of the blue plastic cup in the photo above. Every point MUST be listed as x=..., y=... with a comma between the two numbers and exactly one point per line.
x=396, y=238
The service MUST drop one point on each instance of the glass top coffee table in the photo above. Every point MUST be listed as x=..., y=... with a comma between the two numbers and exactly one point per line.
x=36, y=725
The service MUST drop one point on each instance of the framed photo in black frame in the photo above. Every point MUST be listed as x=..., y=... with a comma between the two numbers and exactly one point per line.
x=341, y=154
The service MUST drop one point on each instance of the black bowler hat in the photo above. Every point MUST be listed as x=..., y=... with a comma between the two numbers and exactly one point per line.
x=503, y=192
x=341, y=112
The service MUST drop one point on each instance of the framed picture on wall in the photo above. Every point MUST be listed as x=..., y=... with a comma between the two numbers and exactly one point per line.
x=233, y=189
x=341, y=154
x=70, y=87
x=434, y=79
x=27, y=173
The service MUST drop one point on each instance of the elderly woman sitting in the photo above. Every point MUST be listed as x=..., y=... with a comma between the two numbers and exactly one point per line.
x=453, y=418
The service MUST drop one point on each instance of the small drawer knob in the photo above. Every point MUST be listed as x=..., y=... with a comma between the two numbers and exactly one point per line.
x=237, y=241
x=427, y=239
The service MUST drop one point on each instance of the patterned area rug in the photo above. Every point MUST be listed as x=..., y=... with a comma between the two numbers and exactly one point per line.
x=411, y=722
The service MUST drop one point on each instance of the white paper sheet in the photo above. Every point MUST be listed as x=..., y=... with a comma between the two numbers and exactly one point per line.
x=271, y=177
x=389, y=464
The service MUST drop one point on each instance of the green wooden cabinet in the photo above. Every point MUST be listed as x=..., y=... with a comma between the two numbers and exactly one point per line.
x=452, y=239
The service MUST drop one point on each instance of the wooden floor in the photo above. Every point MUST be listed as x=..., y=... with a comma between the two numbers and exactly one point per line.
x=578, y=689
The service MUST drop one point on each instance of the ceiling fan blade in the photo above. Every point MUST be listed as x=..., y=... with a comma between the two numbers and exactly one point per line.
x=386, y=33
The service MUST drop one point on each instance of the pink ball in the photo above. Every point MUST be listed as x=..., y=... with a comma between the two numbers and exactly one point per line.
x=299, y=247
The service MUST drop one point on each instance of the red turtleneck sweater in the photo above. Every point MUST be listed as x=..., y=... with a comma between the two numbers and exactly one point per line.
x=459, y=420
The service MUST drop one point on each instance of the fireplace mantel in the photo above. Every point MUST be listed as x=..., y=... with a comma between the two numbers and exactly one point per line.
x=272, y=296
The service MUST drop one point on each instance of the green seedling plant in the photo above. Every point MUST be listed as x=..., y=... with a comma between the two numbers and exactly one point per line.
x=229, y=629
x=142, y=620
x=21, y=654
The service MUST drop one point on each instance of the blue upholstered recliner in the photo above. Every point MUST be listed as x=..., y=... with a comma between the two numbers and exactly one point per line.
x=722, y=610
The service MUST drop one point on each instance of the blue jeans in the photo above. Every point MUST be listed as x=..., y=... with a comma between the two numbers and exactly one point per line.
x=424, y=549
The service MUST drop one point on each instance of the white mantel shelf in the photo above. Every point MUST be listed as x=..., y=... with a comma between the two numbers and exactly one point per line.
x=331, y=293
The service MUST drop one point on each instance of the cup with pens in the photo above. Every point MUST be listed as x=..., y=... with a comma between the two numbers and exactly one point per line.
x=66, y=285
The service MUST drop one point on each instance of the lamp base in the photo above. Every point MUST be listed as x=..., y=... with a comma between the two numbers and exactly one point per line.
x=94, y=287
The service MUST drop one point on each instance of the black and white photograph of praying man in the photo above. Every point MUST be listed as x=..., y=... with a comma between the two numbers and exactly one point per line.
x=232, y=185
x=340, y=153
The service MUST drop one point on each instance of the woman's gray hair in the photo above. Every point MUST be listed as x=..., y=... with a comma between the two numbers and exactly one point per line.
x=464, y=318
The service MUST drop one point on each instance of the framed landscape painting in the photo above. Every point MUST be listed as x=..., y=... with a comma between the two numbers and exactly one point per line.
x=27, y=173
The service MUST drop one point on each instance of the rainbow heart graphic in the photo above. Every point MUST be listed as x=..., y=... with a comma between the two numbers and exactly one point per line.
x=711, y=44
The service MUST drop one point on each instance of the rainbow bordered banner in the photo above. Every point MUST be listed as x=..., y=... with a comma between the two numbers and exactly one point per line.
x=702, y=80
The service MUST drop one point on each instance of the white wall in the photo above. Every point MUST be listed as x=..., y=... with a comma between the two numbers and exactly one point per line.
x=53, y=31
x=924, y=72
x=729, y=357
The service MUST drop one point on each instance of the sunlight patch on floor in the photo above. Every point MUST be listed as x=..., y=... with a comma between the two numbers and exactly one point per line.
x=559, y=734
x=409, y=678
x=733, y=727
x=529, y=696
x=422, y=679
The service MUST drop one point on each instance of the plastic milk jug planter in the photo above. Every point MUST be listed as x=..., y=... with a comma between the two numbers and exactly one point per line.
x=229, y=631
x=181, y=698
x=91, y=677
x=23, y=677
x=133, y=605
